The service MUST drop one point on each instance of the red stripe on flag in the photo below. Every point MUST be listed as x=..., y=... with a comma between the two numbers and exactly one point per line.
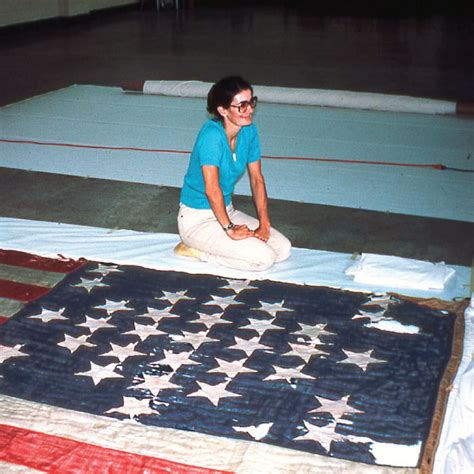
x=21, y=291
x=3, y=319
x=35, y=262
x=55, y=454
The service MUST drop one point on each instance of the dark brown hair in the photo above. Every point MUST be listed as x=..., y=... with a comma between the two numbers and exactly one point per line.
x=223, y=91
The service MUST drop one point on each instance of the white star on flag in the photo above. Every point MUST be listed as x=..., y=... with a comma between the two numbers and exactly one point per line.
x=222, y=301
x=157, y=314
x=209, y=320
x=94, y=324
x=174, y=297
x=7, y=352
x=231, y=369
x=106, y=269
x=380, y=300
x=175, y=360
x=122, y=353
x=194, y=339
x=273, y=308
x=257, y=432
x=249, y=346
x=98, y=373
x=112, y=306
x=134, y=407
x=304, y=351
x=143, y=331
x=213, y=392
x=373, y=317
x=238, y=285
x=156, y=383
x=73, y=343
x=361, y=359
x=337, y=408
x=89, y=285
x=313, y=332
x=324, y=435
x=260, y=325
x=46, y=316
x=288, y=373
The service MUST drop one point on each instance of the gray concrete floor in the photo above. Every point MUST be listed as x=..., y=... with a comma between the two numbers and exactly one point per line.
x=147, y=208
x=273, y=45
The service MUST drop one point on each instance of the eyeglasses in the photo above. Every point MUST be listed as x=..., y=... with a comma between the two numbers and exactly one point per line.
x=245, y=104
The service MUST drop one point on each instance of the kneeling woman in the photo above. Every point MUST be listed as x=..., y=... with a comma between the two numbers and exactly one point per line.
x=209, y=226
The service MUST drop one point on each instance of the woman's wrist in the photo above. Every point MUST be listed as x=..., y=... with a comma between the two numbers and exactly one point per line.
x=228, y=227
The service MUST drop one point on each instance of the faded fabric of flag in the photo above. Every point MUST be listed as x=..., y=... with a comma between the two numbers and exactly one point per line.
x=313, y=369
x=25, y=277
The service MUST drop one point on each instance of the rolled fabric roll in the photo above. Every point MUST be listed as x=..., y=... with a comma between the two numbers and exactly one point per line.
x=315, y=97
x=177, y=88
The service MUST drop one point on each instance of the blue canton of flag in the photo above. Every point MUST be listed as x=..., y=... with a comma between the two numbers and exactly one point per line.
x=320, y=370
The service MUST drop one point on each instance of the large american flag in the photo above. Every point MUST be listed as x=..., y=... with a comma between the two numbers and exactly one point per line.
x=312, y=369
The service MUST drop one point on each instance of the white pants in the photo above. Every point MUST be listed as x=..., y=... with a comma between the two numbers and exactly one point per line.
x=199, y=229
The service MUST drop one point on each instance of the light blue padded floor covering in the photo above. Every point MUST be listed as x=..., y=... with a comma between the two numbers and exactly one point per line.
x=91, y=115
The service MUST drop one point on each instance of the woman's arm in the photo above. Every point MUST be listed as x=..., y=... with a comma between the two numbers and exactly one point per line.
x=259, y=194
x=216, y=200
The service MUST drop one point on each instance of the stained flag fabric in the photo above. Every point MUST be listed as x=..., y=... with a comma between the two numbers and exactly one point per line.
x=313, y=370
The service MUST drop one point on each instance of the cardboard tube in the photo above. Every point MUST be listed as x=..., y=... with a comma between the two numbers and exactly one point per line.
x=135, y=86
x=465, y=108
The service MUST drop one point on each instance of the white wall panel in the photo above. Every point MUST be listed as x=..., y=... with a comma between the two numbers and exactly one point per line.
x=22, y=11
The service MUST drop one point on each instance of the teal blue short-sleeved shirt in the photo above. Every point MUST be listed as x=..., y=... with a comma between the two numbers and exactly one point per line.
x=212, y=148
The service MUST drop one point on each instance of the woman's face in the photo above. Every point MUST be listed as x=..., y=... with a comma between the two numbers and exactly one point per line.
x=233, y=115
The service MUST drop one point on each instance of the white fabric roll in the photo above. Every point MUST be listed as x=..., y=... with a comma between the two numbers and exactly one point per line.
x=316, y=97
x=398, y=272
